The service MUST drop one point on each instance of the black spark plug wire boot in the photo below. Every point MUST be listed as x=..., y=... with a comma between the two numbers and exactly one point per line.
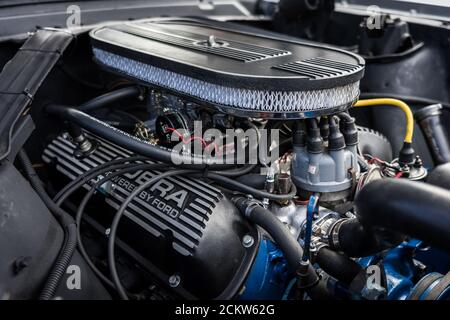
x=299, y=138
x=314, y=141
x=324, y=128
x=349, y=129
x=336, y=139
x=406, y=156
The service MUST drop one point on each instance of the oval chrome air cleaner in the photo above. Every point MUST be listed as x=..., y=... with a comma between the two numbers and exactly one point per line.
x=237, y=72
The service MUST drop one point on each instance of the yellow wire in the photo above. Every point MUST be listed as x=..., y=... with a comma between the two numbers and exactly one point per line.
x=396, y=103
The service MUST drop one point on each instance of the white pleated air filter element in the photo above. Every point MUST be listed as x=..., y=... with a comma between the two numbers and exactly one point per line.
x=239, y=73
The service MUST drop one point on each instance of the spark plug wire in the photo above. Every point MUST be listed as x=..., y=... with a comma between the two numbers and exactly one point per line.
x=395, y=103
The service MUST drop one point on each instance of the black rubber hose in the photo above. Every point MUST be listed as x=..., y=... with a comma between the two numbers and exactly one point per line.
x=262, y=217
x=109, y=98
x=133, y=143
x=115, y=223
x=413, y=208
x=440, y=176
x=337, y=265
x=429, y=119
x=238, y=172
x=254, y=180
x=241, y=187
x=356, y=240
x=66, y=221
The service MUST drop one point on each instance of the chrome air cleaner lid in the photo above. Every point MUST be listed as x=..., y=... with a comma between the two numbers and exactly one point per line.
x=238, y=72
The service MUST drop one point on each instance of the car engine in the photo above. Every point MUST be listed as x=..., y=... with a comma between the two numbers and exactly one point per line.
x=219, y=160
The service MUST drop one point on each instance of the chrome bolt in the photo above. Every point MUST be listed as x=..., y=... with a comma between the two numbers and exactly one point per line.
x=247, y=241
x=174, y=280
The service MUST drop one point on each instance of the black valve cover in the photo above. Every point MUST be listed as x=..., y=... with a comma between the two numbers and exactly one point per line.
x=181, y=226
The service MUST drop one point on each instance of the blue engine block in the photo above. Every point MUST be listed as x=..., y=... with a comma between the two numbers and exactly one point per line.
x=407, y=268
x=269, y=276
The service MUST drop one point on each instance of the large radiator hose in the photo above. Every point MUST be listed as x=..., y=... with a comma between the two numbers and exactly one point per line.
x=415, y=209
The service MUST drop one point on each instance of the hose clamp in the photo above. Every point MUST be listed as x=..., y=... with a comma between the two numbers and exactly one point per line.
x=251, y=204
x=316, y=246
x=333, y=236
x=319, y=246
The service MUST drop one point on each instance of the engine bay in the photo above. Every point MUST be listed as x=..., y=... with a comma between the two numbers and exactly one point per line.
x=193, y=158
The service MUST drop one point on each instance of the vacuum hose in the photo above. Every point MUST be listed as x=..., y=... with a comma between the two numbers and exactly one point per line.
x=291, y=249
x=429, y=119
x=110, y=97
x=337, y=265
x=132, y=143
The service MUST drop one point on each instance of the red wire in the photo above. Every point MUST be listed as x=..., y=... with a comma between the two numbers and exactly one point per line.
x=399, y=175
x=375, y=159
x=193, y=138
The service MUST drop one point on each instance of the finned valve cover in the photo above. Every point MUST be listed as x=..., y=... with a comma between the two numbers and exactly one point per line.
x=238, y=72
